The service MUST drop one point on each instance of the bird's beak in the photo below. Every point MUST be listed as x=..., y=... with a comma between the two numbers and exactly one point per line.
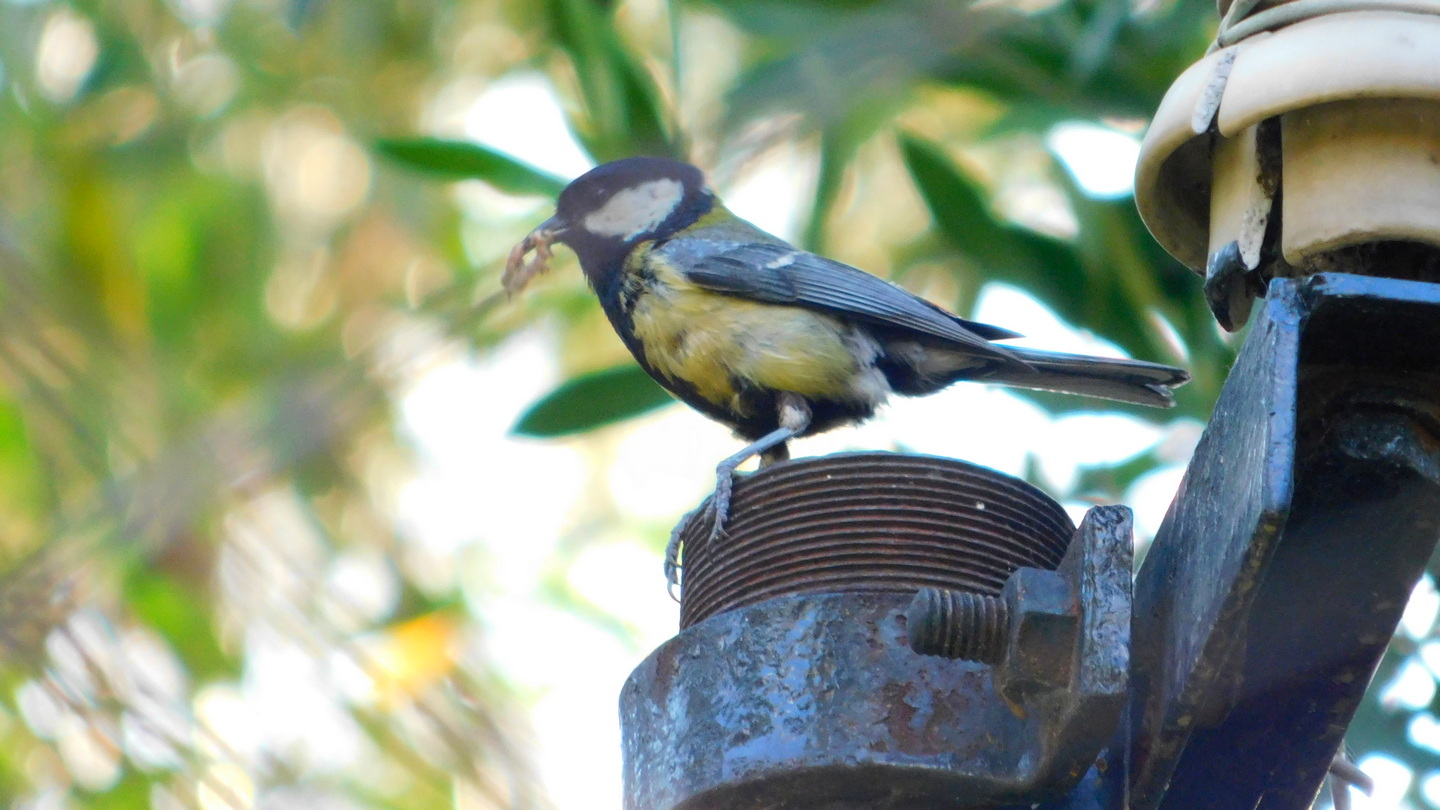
x=518, y=271
x=551, y=229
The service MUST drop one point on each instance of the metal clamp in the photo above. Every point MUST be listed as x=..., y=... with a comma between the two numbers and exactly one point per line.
x=818, y=699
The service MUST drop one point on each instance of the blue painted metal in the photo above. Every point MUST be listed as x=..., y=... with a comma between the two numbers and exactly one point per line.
x=1280, y=573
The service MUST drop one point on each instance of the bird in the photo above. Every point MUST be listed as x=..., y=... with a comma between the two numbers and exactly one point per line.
x=773, y=341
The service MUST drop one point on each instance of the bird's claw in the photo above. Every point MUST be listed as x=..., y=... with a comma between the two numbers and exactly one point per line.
x=717, y=508
x=672, y=581
x=672, y=557
x=672, y=554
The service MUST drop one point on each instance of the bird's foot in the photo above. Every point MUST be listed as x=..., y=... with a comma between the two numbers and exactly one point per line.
x=717, y=509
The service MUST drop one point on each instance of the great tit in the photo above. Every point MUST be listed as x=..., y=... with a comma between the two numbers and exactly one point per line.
x=771, y=340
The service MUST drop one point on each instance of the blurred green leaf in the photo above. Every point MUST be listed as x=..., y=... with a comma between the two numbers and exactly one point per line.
x=1046, y=267
x=1092, y=48
x=853, y=64
x=797, y=20
x=193, y=269
x=622, y=103
x=462, y=160
x=18, y=457
x=1083, y=59
x=1029, y=117
x=957, y=204
x=171, y=608
x=132, y=792
x=592, y=400
x=1127, y=283
x=835, y=153
x=1106, y=279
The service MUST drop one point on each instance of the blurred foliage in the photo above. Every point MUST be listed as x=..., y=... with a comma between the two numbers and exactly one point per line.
x=625, y=391
x=204, y=287
x=458, y=160
x=218, y=272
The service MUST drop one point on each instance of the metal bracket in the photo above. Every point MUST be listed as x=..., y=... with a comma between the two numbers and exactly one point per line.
x=817, y=700
x=1308, y=513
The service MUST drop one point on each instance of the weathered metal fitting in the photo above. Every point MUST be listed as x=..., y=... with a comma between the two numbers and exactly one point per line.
x=1031, y=631
x=958, y=624
x=787, y=696
x=1312, y=492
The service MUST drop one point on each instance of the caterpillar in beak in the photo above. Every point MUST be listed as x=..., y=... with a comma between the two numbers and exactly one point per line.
x=519, y=271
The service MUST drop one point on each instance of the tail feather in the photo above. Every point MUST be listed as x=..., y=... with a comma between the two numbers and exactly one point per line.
x=1134, y=381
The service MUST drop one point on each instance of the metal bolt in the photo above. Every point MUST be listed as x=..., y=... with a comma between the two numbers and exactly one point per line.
x=958, y=624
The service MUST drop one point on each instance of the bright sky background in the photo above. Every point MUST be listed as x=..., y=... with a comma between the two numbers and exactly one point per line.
x=534, y=492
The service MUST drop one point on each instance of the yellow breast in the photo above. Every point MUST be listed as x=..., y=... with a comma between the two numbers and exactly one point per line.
x=711, y=341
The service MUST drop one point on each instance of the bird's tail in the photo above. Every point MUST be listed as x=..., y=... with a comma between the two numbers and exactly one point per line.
x=1133, y=381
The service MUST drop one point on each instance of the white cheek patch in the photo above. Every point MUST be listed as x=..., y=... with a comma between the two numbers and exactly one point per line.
x=636, y=210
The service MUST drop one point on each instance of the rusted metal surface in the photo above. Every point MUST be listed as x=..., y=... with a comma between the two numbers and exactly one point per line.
x=1306, y=517
x=869, y=523
x=816, y=700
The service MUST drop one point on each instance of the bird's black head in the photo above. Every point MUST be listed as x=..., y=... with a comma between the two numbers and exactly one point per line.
x=609, y=208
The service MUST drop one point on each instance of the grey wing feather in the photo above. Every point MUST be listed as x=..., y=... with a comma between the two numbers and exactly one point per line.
x=781, y=274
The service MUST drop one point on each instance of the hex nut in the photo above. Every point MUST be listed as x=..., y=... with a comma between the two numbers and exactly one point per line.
x=1044, y=634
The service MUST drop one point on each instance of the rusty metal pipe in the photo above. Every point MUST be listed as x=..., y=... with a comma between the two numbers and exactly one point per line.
x=869, y=523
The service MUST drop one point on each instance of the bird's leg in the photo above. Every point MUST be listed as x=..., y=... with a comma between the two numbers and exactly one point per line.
x=794, y=419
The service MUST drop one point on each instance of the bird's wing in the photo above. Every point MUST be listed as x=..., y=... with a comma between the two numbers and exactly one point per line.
x=781, y=274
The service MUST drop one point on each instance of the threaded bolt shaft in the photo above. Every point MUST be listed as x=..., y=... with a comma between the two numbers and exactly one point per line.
x=958, y=624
